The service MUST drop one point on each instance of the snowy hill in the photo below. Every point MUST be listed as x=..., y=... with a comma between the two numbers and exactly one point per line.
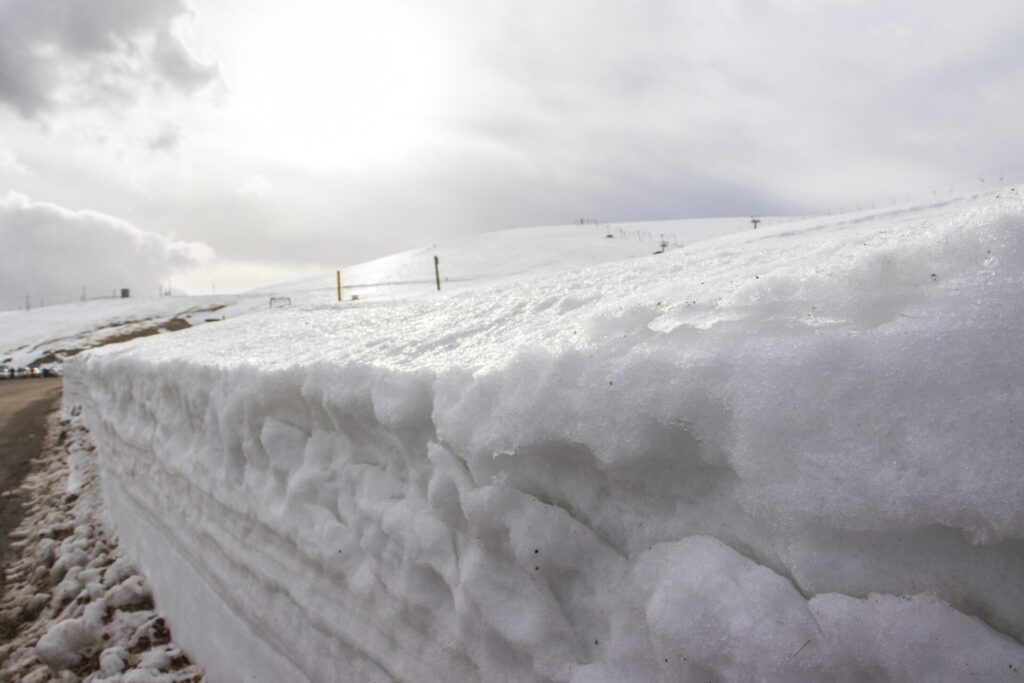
x=45, y=336
x=506, y=254
x=783, y=455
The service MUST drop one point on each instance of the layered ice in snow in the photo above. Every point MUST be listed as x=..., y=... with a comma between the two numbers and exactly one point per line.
x=792, y=454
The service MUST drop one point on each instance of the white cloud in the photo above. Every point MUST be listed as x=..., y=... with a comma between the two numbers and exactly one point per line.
x=51, y=252
x=803, y=101
x=166, y=139
x=57, y=55
x=9, y=164
x=256, y=187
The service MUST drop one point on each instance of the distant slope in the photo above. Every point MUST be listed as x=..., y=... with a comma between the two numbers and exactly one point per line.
x=478, y=260
x=472, y=261
x=43, y=336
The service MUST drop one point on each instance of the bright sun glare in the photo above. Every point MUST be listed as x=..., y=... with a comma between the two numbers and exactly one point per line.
x=346, y=87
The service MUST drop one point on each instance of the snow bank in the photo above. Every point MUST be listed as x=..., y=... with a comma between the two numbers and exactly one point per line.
x=786, y=455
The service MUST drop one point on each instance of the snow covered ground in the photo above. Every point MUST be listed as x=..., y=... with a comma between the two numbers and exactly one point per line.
x=507, y=255
x=790, y=454
x=45, y=336
x=74, y=607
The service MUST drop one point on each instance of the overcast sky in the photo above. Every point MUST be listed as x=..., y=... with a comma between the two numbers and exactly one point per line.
x=260, y=140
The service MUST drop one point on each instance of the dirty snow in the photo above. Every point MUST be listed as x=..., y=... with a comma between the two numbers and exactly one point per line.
x=784, y=455
x=74, y=608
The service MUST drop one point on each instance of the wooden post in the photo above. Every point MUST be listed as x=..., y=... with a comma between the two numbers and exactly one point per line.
x=339, y=285
x=437, y=272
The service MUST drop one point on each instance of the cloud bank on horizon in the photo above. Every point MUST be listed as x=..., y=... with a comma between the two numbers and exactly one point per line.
x=316, y=134
x=53, y=253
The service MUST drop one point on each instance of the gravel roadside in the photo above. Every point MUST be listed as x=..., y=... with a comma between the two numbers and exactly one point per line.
x=73, y=607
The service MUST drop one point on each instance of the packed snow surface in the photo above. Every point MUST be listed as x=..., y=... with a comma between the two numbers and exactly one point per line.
x=793, y=454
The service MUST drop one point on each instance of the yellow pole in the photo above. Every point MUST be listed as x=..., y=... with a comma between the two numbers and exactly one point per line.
x=339, y=285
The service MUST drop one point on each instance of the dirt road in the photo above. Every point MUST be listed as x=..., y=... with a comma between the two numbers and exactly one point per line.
x=24, y=403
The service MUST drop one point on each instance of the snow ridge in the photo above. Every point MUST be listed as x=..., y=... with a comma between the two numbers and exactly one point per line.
x=791, y=455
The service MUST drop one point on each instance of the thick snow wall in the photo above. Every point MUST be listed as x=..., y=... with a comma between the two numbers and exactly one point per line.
x=789, y=457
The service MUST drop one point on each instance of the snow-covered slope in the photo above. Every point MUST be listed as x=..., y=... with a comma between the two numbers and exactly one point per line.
x=508, y=255
x=791, y=454
x=47, y=335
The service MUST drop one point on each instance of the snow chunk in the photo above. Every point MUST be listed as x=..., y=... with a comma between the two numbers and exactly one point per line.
x=68, y=642
x=724, y=611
